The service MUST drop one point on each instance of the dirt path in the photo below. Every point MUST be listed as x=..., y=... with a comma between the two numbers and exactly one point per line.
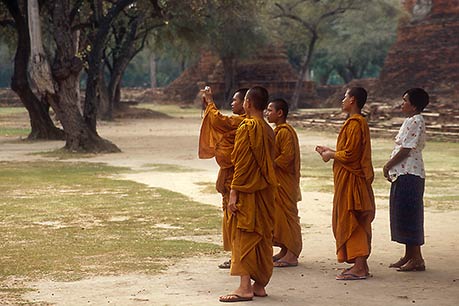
x=198, y=281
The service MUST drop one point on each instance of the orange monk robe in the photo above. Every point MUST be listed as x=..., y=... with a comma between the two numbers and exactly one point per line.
x=287, y=228
x=353, y=202
x=217, y=140
x=255, y=180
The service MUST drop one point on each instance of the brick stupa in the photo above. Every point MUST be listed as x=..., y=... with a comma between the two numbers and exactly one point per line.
x=269, y=68
x=426, y=52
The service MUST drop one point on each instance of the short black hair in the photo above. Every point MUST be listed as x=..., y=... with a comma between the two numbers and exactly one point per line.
x=418, y=97
x=259, y=97
x=242, y=92
x=360, y=95
x=280, y=104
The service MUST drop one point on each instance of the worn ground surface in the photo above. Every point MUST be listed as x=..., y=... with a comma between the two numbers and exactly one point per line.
x=198, y=281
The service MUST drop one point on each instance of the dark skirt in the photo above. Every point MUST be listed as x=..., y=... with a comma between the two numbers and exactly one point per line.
x=407, y=210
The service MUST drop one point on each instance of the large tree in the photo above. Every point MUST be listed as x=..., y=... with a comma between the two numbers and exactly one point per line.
x=143, y=22
x=81, y=133
x=103, y=15
x=131, y=32
x=233, y=32
x=310, y=19
x=77, y=34
x=367, y=38
x=42, y=127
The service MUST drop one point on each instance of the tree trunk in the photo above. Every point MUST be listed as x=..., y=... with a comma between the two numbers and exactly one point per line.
x=120, y=66
x=42, y=127
x=153, y=80
x=303, y=70
x=39, y=70
x=80, y=137
x=121, y=60
x=104, y=103
x=95, y=60
x=117, y=97
x=229, y=68
x=345, y=74
x=323, y=79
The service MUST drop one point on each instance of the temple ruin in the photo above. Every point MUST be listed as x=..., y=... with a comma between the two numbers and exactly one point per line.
x=426, y=52
x=269, y=68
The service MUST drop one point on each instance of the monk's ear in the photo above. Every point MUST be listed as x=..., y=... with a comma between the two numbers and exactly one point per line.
x=353, y=99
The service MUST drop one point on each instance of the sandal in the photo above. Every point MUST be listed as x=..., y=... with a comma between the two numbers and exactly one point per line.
x=413, y=265
x=399, y=263
x=233, y=297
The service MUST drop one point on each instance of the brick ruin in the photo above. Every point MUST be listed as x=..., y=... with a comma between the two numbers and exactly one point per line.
x=269, y=68
x=426, y=52
x=184, y=89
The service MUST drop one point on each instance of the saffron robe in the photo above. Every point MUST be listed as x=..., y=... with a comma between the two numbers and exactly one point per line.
x=287, y=228
x=254, y=179
x=353, y=202
x=216, y=139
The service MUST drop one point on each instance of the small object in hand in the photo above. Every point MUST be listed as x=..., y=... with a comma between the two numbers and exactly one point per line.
x=207, y=88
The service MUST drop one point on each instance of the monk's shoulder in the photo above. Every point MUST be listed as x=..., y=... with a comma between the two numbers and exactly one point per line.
x=355, y=122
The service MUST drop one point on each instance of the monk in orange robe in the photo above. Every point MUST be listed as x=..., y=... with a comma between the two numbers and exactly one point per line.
x=251, y=200
x=287, y=228
x=353, y=202
x=217, y=140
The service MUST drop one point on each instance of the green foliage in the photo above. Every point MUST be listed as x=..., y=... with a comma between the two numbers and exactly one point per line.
x=351, y=44
x=233, y=28
x=165, y=33
x=352, y=35
x=356, y=46
x=170, y=63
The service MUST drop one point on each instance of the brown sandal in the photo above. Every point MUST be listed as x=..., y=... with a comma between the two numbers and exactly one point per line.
x=413, y=265
x=399, y=263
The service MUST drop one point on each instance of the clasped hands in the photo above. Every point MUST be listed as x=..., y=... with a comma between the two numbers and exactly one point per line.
x=325, y=152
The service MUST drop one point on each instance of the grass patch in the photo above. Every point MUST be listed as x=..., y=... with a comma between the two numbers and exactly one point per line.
x=4, y=111
x=207, y=187
x=65, y=221
x=316, y=176
x=441, y=161
x=11, y=131
x=63, y=154
x=170, y=168
x=14, y=122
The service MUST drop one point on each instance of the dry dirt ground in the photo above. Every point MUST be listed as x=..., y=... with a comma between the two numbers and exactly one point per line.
x=198, y=281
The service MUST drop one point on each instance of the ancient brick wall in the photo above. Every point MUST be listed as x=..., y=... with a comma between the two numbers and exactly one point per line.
x=426, y=53
x=269, y=68
x=184, y=88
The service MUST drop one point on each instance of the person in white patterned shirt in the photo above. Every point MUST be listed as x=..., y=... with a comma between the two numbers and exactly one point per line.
x=405, y=171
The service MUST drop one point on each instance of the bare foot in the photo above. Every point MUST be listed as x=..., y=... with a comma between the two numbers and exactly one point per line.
x=259, y=290
x=279, y=255
x=288, y=260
